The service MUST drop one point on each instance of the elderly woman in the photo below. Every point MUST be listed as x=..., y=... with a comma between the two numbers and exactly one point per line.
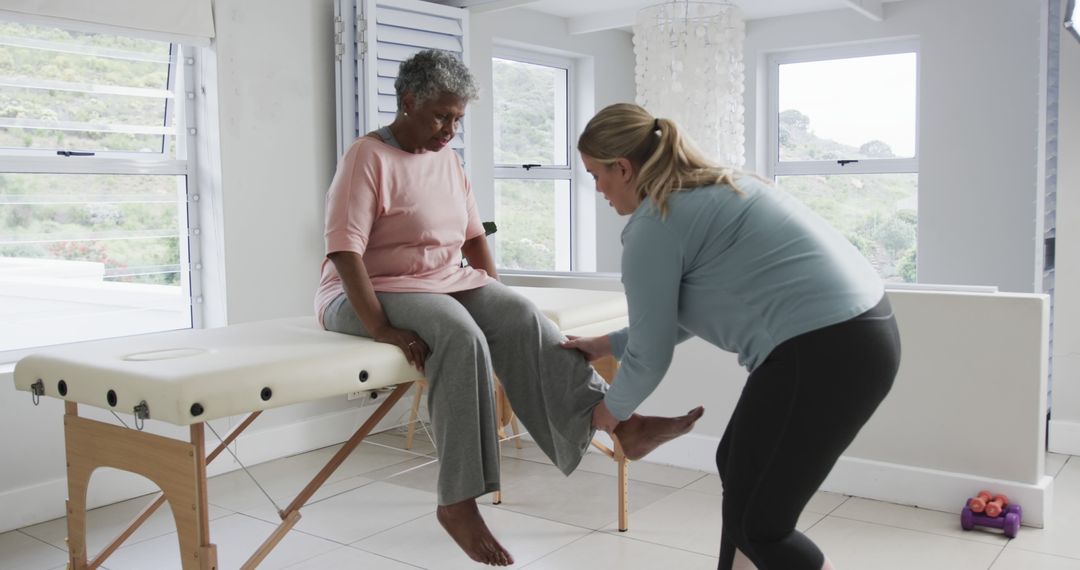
x=399, y=217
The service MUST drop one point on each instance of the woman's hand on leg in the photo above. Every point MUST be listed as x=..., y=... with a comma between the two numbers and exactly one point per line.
x=415, y=349
x=592, y=347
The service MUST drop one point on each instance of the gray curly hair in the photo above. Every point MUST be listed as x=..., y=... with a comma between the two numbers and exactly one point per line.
x=431, y=73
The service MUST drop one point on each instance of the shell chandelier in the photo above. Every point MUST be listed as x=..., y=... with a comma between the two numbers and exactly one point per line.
x=690, y=69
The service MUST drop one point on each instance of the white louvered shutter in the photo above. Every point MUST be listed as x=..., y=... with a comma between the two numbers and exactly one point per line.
x=374, y=37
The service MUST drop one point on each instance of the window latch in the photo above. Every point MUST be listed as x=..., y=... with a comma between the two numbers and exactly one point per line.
x=73, y=153
x=527, y=167
x=846, y=162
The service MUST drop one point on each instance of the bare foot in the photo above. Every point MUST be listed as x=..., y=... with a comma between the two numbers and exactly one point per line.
x=464, y=524
x=640, y=434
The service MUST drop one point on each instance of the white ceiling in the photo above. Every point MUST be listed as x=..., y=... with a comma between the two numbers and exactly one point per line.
x=592, y=15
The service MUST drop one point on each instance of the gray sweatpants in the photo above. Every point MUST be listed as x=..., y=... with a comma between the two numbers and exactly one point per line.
x=473, y=334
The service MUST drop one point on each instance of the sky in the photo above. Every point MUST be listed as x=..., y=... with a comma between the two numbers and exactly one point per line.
x=856, y=100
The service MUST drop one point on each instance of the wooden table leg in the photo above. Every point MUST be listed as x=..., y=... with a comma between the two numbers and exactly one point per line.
x=177, y=467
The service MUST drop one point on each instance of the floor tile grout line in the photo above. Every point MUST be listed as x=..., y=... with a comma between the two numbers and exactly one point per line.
x=384, y=556
x=961, y=537
x=1066, y=557
x=568, y=544
x=817, y=522
x=704, y=474
x=51, y=545
x=320, y=537
x=535, y=516
x=349, y=544
x=838, y=505
x=547, y=462
x=389, y=528
x=1068, y=458
x=1057, y=471
x=998, y=556
x=126, y=543
x=628, y=536
x=335, y=481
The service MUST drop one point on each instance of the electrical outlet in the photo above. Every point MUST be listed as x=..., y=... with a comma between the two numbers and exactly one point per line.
x=370, y=394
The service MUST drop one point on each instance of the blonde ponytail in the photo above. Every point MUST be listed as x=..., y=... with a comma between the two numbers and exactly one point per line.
x=666, y=160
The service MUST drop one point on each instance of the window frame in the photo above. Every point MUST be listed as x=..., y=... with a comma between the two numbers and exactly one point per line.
x=185, y=67
x=776, y=167
x=564, y=227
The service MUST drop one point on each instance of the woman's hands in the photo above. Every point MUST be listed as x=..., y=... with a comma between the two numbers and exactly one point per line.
x=593, y=347
x=415, y=349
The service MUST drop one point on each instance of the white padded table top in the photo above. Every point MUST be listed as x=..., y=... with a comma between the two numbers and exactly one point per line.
x=573, y=308
x=190, y=376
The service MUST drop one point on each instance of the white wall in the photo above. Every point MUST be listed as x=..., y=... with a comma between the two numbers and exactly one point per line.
x=276, y=88
x=276, y=114
x=978, y=125
x=1065, y=422
x=608, y=57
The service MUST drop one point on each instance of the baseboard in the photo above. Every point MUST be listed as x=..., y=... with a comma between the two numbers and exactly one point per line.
x=936, y=490
x=45, y=501
x=890, y=482
x=1065, y=437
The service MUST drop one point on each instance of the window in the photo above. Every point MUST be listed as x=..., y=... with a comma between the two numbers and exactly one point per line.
x=844, y=141
x=533, y=178
x=94, y=187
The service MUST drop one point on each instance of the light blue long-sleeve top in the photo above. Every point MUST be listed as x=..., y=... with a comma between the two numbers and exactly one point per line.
x=744, y=271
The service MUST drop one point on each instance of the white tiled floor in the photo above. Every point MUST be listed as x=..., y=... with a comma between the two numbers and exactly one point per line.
x=368, y=517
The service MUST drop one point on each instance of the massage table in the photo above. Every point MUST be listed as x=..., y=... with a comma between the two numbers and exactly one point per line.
x=189, y=377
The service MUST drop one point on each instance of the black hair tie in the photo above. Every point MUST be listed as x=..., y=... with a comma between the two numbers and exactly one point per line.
x=656, y=124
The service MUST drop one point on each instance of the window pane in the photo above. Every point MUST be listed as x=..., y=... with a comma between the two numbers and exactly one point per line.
x=855, y=109
x=877, y=212
x=85, y=92
x=91, y=256
x=533, y=217
x=530, y=113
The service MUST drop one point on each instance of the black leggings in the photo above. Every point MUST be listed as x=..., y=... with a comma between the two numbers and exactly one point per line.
x=799, y=411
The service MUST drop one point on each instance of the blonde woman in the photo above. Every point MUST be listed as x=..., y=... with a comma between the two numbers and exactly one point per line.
x=717, y=254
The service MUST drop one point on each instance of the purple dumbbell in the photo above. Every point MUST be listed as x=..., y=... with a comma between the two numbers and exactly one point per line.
x=1008, y=521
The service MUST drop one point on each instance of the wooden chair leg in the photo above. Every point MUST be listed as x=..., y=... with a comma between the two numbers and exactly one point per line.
x=517, y=431
x=500, y=436
x=607, y=367
x=414, y=415
x=623, y=466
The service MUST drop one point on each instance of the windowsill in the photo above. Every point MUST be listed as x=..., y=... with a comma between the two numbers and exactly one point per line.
x=599, y=281
x=574, y=274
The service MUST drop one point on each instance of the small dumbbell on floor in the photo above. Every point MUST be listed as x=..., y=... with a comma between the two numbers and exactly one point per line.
x=991, y=505
x=992, y=511
x=978, y=502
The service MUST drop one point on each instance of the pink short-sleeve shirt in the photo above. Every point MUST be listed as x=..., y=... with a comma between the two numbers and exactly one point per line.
x=408, y=216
